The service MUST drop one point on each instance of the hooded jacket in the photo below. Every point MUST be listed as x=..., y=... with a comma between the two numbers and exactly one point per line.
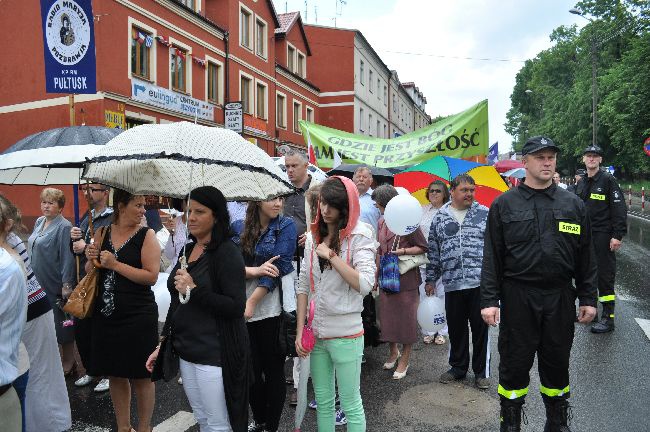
x=337, y=305
x=456, y=251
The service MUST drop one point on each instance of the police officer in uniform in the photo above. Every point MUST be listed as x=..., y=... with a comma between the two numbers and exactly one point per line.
x=538, y=239
x=608, y=213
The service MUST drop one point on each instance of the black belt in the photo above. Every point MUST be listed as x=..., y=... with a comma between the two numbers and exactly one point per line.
x=4, y=388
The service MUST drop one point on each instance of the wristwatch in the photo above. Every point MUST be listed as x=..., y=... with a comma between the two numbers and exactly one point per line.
x=332, y=254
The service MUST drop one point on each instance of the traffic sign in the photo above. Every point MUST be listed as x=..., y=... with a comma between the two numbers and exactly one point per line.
x=234, y=117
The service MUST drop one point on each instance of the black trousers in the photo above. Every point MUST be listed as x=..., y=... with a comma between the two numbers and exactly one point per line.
x=535, y=321
x=606, y=260
x=82, y=336
x=268, y=392
x=463, y=306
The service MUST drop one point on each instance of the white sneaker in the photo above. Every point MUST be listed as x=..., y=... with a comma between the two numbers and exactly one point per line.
x=102, y=386
x=83, y=381
x=180, y=380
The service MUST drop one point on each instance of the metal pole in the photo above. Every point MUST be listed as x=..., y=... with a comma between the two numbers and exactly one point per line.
x=594, y=91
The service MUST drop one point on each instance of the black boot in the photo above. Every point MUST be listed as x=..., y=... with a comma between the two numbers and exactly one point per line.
x=510, y=419
x=557, y=415
x=606, y=323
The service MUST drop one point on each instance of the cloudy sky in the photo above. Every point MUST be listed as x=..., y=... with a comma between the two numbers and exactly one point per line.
x=419, y=38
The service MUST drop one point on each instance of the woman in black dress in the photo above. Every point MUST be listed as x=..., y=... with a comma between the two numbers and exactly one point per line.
x=125, y=317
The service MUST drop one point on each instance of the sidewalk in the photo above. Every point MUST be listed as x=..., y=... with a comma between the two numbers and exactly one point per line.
x=635, y=208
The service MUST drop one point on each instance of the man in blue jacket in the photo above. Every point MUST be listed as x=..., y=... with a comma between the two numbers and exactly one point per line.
x=456, y=255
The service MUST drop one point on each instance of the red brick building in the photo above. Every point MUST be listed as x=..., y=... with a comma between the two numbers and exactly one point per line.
x=208, y=52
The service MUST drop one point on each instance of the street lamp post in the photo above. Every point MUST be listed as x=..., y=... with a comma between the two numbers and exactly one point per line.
x=594, y=82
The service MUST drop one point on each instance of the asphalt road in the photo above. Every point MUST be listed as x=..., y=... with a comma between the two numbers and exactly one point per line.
x=610, y=382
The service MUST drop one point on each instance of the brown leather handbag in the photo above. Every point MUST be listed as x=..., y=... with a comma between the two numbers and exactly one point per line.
x=82, y=300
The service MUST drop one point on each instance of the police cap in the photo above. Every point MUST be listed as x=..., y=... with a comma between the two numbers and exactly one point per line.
x=538, y=143
x=593, y=149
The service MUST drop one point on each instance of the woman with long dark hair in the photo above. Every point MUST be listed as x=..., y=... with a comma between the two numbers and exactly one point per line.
x=124, y=326
x=268, y=243
x=206, y=317
x=337, y=272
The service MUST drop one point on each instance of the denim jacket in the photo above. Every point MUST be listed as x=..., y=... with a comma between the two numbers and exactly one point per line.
x=278, y=239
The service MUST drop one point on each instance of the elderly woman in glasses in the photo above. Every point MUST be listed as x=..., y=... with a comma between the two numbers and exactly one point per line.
x=437, y=194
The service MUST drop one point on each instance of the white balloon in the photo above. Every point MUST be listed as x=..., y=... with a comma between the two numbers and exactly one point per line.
x=431, y=314
x=402, y=191
x=162, y=296
x=403, y=214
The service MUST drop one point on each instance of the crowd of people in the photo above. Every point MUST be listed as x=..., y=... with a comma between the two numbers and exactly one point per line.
x=237, y=270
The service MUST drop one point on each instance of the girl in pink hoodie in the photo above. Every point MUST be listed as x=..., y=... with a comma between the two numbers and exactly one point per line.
x=338, y=271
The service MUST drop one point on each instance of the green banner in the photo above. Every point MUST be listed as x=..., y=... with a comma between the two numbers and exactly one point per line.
x=461, y=135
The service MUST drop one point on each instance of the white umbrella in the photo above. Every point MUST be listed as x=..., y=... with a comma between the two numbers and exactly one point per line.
x=313, y=170
x=515, y=172
x=171, y=159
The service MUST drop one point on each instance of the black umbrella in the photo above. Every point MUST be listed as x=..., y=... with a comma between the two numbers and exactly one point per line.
x=380, y=175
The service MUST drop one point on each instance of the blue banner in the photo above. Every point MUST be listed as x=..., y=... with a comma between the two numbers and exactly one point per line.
x=69, y=46
x=493, y=153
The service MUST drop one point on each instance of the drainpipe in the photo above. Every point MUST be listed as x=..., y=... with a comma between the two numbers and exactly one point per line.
x=227, y=83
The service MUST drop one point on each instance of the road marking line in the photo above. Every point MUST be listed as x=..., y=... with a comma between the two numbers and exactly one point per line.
x=645, y=325
x=181, y=421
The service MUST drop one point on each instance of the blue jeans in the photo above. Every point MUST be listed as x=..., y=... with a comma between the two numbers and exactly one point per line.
x=20, y=385
x=340, y=357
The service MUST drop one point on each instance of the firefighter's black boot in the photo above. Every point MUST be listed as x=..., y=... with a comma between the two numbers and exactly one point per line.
x=510, y=418
x=557, y=415
x=606, y=323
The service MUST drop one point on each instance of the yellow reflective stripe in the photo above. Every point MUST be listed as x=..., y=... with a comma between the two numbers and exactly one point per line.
x=607, y=298
x=553, y=392
x=512, y=394
x=598, y=197
x=570, y=228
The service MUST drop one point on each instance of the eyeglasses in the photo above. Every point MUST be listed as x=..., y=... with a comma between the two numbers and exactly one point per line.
x=435, y=191
x=94, y=189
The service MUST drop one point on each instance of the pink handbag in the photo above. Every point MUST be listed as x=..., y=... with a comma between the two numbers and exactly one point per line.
x=308, y=339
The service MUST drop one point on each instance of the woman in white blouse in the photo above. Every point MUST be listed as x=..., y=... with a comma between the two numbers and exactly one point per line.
x=437, y=194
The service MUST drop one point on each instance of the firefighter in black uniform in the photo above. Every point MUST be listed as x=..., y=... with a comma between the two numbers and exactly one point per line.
x=538, y=239
x=608, y=213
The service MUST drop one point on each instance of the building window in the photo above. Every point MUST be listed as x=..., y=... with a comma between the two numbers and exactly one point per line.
x=370, y=80
x=310, y=115
x=385, y=132
x=141, y=46
x=189, y=3
x=378, y=88
x=260, y=38
x=291, y=58
x=281, y=110
x=370, y=124
x=297, y=116
x=245, y=93
x=361, y=72
x=302, y=71
x=179, y=69
x=385, y=95
x=260, y=97
x=378, y=128
x=394, y=104
x=214, y=82
x=245, y=27
x=361, y=116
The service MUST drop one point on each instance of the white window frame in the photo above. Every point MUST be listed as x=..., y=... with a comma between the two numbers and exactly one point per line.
x=309, y=114
x=295, y=123
x=300, y=73
x=361, y=71
x=251, y=78
x=251, y=30
x=220, y=78
x=294, y=57
x=370, y=79
x=132, y=22
x=361, y=116
x=266, y=99
x=175, y=43
x=197, y=4
x=265, y=41
x=370, y=124
x=284, y=110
